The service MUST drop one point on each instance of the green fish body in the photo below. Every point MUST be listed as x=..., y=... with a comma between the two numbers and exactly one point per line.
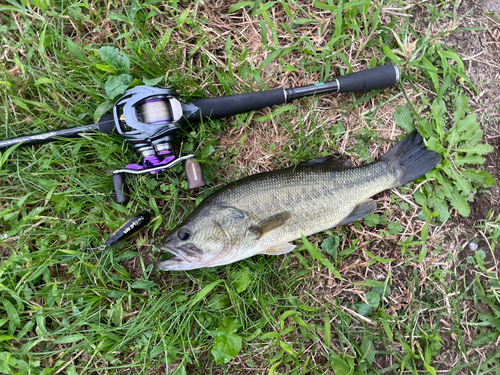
x=262, y=213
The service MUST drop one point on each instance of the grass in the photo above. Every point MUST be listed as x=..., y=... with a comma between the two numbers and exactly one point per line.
x=394, y=293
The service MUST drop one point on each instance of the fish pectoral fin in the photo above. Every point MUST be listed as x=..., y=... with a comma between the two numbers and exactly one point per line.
x=281, y=248
x=332, y=161
x=269, y=224
x=360, y=211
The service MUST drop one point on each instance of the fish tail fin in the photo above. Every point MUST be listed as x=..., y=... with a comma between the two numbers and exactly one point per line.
x=412, y=156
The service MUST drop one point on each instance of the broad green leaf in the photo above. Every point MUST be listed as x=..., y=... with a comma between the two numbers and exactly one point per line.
x=152, y=81
x=286, y=347
x=457, y=200
x=164, y=40
x=363, y=309
x=404, y=118
x=430, y=369
x=373, y=299
x=117, y=85
x=480, y=149
x=241, y=280
x=330, y=245
x=276, y=112
x=12, y=313
x=73, y=48
x=461, y=106
x=227, y=345
x=431, y=70
x=315, y=254
x=371, y=283
x=388, y=330
x=43, y=81
x=269, y=335
x=332, y=269
x=466, y=124
x=422, y=254
x=450, y=55
x=391, y=55
x=438, y=110
x=143, y=284
x=240, y=5
x=331, y=8
x=202, y=293
x=468, y=159
x=69, y=339
x=111, y=56
x=339, y=19
x=340, y=366
x=328, y=332
x=368, y=350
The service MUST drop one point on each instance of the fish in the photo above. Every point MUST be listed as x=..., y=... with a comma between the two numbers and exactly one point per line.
x=263, y=213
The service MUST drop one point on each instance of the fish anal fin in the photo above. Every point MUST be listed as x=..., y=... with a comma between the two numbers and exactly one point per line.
x=360, y=211
x=332, y=161
x=270, y=223
x=281, y=248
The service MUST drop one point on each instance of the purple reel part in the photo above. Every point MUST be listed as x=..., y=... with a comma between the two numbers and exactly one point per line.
x=152, y=162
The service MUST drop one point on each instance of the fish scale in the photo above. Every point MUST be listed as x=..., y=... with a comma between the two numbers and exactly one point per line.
x=307, y=192
x=263, y=213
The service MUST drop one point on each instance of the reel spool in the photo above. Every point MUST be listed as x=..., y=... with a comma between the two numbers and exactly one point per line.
x=149, y=118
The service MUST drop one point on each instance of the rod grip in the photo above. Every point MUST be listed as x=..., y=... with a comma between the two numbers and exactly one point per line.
x=381, y=77
x=230, y=105
x=121, y=191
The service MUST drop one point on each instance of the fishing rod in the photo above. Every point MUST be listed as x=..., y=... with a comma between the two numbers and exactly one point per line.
x=150, y=118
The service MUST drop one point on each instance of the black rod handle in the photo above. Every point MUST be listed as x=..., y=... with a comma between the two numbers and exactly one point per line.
x=381, y=77
x=231, y=105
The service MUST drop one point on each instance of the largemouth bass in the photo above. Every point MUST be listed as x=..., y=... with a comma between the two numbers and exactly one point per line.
x=262, y=213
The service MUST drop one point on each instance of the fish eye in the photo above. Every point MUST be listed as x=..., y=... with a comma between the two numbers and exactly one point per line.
x=183, y=234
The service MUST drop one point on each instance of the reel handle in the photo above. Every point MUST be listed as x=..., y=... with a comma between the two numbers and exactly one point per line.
x=194, y=176
x=122, y=195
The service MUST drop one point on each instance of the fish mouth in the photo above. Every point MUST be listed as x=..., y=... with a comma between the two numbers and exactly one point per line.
x=183, y=257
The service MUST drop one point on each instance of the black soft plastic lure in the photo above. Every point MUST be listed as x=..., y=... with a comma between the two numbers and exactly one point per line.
x=132, y=226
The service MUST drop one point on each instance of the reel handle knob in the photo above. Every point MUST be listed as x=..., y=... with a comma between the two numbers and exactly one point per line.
x=121, y=191
x=194, y=174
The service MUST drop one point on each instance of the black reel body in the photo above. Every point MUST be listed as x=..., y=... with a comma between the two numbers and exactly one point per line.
x=149, y=118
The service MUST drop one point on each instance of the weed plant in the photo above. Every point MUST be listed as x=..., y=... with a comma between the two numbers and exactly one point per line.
x=381, y=296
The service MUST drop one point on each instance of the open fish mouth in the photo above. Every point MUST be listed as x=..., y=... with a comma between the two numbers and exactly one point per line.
x=182, y=257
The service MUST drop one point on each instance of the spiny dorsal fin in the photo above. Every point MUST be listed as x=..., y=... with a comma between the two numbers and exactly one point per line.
x=360, y=211
x=281, y=248
x=270, y=223
x=334, y=162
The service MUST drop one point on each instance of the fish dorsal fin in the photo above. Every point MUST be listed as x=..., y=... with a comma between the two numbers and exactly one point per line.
x=270, y=223
x=332, y=161
x=360, y=211
x=281, y=248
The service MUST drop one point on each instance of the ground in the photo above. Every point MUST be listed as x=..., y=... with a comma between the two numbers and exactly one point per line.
x=416, y=296
x=480, y=50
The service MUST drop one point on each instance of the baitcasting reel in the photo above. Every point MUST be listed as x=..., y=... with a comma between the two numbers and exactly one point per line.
x=150, y=118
